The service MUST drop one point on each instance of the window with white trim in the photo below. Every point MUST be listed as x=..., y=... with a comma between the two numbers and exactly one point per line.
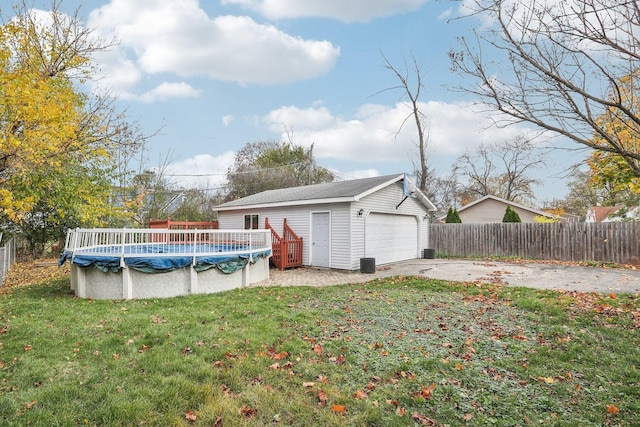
x=251, y=222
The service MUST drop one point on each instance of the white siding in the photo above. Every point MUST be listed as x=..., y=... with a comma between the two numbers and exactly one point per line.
x=299, y=219
x=386, y=201
x=347, y=228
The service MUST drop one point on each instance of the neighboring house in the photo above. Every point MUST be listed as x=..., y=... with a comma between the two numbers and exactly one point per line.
x=612, y=214
x=490, y=209
x=341, y=222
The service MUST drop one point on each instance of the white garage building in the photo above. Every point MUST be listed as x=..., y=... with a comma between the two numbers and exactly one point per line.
x=383, y=218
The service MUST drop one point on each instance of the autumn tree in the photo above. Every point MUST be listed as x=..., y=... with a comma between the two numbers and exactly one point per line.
x=610, y=169
x=503, y=169
x=52, y=130
x=559, y=66
x=269, y=165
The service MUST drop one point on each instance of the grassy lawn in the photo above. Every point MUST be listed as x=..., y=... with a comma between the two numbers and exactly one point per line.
x=392, y=352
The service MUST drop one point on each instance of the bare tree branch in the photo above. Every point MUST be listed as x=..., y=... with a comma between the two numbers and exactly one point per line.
x=411, y=97
x=559, y=66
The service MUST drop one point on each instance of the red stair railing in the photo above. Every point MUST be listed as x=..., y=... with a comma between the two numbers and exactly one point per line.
x=286, y=251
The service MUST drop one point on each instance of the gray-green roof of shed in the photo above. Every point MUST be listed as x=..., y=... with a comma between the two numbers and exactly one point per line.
x=328, y=192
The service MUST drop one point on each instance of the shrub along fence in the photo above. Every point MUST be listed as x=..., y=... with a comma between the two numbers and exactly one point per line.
x=617, y=242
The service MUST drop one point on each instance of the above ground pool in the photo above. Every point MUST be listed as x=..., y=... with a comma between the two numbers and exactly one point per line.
x=144, y=263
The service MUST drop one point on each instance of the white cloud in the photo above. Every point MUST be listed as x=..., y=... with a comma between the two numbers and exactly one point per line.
x=356, y=174
x=226, y=120
x=201, y=171
x=169, y=90
x=445, y=14
x=372, y=134
x=178, y=37
x=348, y=11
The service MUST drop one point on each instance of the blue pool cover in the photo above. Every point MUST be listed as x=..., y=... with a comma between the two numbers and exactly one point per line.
x=162, y=259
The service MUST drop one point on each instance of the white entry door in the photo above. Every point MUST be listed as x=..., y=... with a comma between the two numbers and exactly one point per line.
x=320, y=236
x=391, y=238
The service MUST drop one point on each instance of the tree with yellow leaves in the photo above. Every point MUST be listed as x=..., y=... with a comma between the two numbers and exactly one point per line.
x=57, y=142
x=609, y=169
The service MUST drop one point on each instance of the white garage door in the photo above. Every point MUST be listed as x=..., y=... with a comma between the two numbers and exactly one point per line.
x=391, y=238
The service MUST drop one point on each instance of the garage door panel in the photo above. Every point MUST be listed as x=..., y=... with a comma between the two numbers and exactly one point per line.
x=391, y=238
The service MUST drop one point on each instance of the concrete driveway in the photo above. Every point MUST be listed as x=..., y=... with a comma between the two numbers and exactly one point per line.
x=531, y=275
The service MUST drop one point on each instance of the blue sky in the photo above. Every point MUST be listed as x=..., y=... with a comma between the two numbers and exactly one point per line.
x=217, y=74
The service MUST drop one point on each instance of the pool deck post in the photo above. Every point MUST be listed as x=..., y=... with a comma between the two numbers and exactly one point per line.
x=193, y=282
x=127, y=285
x=81, y=282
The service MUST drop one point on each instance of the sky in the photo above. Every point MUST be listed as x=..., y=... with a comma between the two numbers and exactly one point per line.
x=213, y=75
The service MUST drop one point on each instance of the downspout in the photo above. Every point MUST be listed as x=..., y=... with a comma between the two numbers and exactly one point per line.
x=365, y=215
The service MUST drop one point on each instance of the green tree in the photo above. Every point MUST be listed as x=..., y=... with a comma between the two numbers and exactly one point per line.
x=195, y=205
x=510, y=215
x=453, y=217
x=57, y=140
x=269, y=165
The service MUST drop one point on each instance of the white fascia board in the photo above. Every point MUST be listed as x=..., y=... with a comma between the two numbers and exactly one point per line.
x=289, y=203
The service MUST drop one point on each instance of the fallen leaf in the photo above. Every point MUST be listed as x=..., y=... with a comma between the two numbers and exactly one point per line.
x=338, y=409
x=423, y=420
x=361, y=394
x=218, y=422
x=322, y=398
x=308, y=384
x=322, y=379
x=400, y=411
x=317, y=348
x=190, y=416
x=248, y=411
x=612, y=409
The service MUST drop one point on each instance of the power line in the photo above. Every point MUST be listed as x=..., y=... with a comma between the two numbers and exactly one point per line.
x=235, y=173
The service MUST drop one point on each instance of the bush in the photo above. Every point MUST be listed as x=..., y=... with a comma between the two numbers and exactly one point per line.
x=511, y=216
x=453, y=217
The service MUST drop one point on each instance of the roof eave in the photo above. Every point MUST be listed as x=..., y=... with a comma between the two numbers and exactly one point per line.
x=288, y=203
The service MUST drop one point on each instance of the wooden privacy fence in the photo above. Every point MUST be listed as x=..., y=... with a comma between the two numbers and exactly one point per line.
x=617, y=242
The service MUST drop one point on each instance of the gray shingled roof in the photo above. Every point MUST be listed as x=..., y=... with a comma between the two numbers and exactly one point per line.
x=329, y=190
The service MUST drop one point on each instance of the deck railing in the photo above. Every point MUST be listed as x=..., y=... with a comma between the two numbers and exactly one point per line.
x=165, y=243
x=287, y=250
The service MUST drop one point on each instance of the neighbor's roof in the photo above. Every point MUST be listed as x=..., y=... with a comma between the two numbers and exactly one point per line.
x=600, y=213
x=328, y=192
x=507, y=202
